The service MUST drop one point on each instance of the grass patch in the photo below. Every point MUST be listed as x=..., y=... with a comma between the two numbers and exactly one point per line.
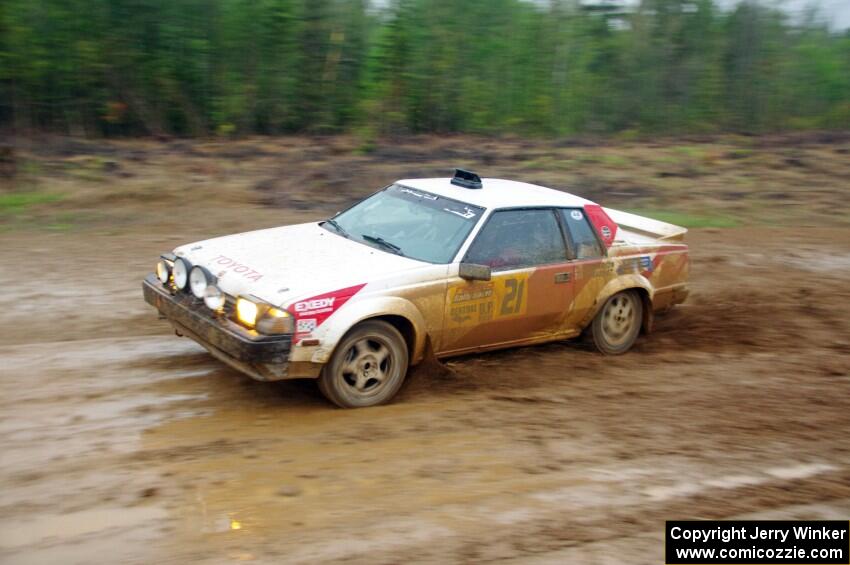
x=542, y=162
x=18, y=201
x=691, y=151
x=547, y=163
x=687, y=220
x=617, y=161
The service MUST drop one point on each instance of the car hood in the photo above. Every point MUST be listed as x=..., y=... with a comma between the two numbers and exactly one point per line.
x=281, y=265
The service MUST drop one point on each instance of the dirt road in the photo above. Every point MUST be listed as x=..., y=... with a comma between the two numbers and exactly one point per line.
x=122, y=442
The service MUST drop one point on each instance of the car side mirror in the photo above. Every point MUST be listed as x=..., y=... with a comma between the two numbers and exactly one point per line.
x=474, y=272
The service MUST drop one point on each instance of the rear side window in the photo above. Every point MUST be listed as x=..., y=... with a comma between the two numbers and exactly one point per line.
x=585, y=243
x=513, y=239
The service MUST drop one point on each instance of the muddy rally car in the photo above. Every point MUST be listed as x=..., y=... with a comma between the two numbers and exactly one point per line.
x=442, y=266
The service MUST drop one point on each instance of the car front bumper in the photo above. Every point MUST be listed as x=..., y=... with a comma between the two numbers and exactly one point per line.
x=262, y=357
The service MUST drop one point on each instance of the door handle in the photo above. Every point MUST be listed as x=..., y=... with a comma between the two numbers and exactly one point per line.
x=562, y=278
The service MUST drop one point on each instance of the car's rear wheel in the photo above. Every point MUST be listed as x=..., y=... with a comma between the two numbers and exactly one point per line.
x=367, y=368
x=617, y=325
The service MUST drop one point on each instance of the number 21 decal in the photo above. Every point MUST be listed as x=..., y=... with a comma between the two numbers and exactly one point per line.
x=512, y=301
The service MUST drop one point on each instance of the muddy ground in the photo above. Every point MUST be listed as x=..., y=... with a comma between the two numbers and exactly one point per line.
x=122, y=442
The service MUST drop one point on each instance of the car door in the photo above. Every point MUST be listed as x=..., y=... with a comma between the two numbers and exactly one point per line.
x=527, y=296
x=591, y=269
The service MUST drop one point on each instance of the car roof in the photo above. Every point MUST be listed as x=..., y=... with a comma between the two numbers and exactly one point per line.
x=497, y=193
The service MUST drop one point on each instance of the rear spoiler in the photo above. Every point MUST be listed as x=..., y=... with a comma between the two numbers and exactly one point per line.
x=647, y=226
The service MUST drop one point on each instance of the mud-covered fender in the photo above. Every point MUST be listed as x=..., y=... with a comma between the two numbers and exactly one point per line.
x=348, y=316
x=622, y=282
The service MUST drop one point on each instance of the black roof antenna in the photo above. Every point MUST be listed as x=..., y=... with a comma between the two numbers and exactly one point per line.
x=467, y=179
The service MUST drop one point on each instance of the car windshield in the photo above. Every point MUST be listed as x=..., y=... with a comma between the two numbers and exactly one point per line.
x=408, y=222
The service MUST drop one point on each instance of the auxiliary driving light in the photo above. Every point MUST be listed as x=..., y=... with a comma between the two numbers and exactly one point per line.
x=180, y=272
x=163, y=271
x=214, y=298
x=199, y=280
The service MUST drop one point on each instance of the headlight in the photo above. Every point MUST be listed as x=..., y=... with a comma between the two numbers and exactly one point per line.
x=264, y=317
x=275, y=321
x=199, y=280
x=163, y=271
x=246, y=311
x=214, y=298
x=180, y=272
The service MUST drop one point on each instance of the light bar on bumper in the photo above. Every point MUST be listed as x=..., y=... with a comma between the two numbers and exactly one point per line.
x=178, y=275
x=220, y=332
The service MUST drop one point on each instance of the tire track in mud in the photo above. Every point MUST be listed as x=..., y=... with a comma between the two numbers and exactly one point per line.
x=633, y=516
x=548, y=523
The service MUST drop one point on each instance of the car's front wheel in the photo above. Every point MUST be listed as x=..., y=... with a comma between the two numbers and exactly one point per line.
x=367, y=368
x=617, y=325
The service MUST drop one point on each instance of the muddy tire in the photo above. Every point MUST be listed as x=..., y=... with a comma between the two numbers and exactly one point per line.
x=367, y=368
x=617, y=325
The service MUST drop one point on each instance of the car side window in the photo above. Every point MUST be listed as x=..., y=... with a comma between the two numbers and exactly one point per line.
x=512, y=239
x=584, y=241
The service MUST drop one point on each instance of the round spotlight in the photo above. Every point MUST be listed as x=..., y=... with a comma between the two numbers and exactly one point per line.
x=199, y=280
x=214, y=298
x=163, y=271
x=180, y=272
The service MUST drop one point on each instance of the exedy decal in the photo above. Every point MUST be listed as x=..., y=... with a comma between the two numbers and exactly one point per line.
x=315, y=306
x=310, y=313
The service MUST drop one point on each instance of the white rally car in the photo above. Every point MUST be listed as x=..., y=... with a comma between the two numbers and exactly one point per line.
x=441, y=266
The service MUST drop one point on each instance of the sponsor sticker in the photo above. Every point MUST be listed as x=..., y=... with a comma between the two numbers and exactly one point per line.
x=576, y=215
x=606, y=232
x=643, y=264
x=418, y=194
x=484, y=302
x=466, y=213
x=315, y=306
x=312, y=312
